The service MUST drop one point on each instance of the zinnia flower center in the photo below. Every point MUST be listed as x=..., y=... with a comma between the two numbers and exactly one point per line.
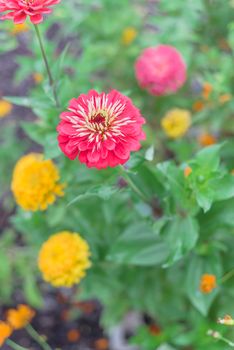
x=99, y=119
x=100, y=122
x=28, y=3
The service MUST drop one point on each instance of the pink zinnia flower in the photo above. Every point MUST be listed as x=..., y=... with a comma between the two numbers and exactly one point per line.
x=20, y=9
x=160, y=70
x=100, y=129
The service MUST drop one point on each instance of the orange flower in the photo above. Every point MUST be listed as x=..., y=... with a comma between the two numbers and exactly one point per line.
x=19, y=28
x=207, y=283
x=5, y=332
x=225, y=98
x=187, y=171
x=5, y=108
x=198, y=106
x=73, y=335
x=207, y=89
x=154, y=329
x=20, y=317
x=37, y=77
x=101, y=344
x=206, y=139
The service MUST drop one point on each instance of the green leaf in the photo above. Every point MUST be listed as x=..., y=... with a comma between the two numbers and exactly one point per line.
x=6, y=278
x=149, y=153
x=221, y=215
x=209, y=157
x=204, y=198
x=31, y=290
x=104, y=192
x=30, y=102
x=223, y=187
x=51, y=148
x=181, y=235
x=138, y=245
x=34, y=131
x=172, y=178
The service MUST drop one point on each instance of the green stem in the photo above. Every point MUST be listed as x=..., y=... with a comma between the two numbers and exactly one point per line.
x=218, y=336
x=227, y=341
x=14, y=346
x=133, y=185
x=37, y=337
x=51, y=80
x=227, y=276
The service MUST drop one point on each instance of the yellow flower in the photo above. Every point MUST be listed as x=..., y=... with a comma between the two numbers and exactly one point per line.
x=207, y=283
x=35, y=182
x=187, y=171
x=20, y=317
x=38, y=78
x=19, y=28
x=206, y=139
x=225, y=98
x=64, y=259
x=176, y=122
x=5, y=332
x=207, y=90
x=5, y=108
x=128, y=36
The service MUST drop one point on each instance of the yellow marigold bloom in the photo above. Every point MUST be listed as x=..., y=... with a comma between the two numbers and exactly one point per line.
x=176, y=122
x=206, y=139
x=207, y=90
x=20, y=317
x=128, y=36
x=187, y=171
x=198, y=106
x=35, y=182
x=225, y=98
x=5, y=332
x=38, y=78
x=64, y=259
x=207, y=283
x=5, y=108
x=19, y=28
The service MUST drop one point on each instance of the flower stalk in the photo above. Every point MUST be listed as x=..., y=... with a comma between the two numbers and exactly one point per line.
x=218, y=336
x=14, y=346
x=133, y=186
x=37, y=337
x=51, y=80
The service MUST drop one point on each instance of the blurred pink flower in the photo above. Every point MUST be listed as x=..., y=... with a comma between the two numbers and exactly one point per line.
x=160, y=70
x=20, y=9
x=100, y=129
